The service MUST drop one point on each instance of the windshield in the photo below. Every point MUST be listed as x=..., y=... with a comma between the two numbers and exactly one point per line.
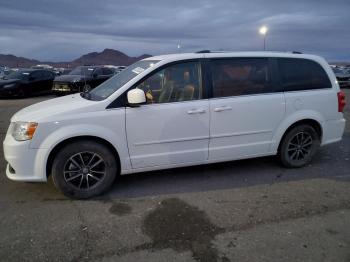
x=113, y=84
x=82, y=71
x=17, y=75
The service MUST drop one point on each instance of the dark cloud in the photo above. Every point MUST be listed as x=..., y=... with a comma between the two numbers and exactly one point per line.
x=60, y=30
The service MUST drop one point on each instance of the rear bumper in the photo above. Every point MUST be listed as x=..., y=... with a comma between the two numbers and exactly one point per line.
x=24, y=163
x=333, y=131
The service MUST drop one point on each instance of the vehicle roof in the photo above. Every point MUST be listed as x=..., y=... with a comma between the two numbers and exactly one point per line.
x=213, y=54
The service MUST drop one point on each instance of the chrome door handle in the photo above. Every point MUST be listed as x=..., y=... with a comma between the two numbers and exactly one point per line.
x=223, y=108
x=196, y=111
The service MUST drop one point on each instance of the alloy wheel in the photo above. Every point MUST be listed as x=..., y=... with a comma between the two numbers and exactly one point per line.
x=84, y=170
x=300, y=146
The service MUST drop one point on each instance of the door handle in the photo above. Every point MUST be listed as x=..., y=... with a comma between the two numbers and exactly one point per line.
x=222, y=108
x=196, y=111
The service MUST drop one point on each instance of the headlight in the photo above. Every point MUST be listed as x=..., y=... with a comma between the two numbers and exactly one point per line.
x=22, y=131
x=9, y=85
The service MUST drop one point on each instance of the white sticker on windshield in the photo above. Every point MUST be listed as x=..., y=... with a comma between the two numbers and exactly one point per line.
x=25, y=73
x=138, y=70
x=90, y=69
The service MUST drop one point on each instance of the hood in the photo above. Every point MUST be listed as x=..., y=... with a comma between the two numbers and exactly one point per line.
x=70, y=78
x=9, y=81
x=61, y=106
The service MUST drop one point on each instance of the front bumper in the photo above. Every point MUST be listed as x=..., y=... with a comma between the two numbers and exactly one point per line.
x=24, y=163
x=11, y=92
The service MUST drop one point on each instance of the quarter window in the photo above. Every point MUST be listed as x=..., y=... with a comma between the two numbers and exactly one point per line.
x=240, y=76
x=176, y=83
x=302, y=74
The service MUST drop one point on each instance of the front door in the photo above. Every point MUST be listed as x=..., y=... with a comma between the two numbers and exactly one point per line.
x=173, y=127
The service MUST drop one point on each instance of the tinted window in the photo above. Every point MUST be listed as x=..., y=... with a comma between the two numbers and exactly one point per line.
x=240, y=76
x=175, y=83
x=48, y=75
x=302, y=74
x=37, y=75
x=98, y=72
x=107, y=71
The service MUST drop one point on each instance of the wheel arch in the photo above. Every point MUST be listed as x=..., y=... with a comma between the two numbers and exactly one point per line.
x=67, y=141
x=312, y=122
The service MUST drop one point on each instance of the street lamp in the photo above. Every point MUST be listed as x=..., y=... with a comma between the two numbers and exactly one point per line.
x=263, y=31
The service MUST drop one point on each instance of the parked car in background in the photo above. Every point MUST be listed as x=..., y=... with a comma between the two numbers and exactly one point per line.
x=117, y=69
x=42, y=66
x=26, y=82
x=62, y=71
x=4, y=71
x=343, y=77
x=81, y=79
x=179, y=110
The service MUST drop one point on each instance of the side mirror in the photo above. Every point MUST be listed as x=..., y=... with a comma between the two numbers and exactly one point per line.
x=95, y=75
x=136, y=97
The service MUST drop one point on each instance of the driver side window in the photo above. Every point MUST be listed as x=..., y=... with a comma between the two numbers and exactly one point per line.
x=176, y=83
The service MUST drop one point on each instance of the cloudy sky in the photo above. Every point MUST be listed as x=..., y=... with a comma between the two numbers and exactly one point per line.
x=65, y=29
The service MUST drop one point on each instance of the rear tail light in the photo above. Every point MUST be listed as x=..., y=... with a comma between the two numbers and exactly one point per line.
x=341, y=101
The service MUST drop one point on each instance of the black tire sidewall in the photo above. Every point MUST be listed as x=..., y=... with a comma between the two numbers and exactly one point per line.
x=283, y=153
x=73, y=148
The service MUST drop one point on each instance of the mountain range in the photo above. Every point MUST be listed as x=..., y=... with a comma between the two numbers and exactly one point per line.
x=106, y=57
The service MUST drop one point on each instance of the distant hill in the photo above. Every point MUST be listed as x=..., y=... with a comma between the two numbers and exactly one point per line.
x=15, y=61
x=106, y=57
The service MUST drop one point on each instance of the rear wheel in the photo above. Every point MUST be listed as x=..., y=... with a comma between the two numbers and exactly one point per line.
x=298, y=146
x=84, y=169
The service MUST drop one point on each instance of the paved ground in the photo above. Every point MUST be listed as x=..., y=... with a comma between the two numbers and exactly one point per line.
x=251, y=210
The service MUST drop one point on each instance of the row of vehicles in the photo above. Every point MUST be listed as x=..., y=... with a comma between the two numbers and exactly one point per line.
x=342, y=74
x=41, y=80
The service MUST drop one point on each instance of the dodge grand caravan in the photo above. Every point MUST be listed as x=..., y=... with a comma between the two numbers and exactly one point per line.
x=178, y=110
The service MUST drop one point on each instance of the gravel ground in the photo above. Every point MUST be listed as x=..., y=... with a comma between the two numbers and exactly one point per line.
x=250, y=210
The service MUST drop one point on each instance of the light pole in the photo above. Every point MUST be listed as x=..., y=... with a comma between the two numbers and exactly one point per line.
x=263, y=31
x=179, y=47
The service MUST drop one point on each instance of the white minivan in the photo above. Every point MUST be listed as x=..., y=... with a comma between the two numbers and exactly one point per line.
x=178, y=110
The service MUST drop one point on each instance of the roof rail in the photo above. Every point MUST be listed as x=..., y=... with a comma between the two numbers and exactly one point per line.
x=296, y=52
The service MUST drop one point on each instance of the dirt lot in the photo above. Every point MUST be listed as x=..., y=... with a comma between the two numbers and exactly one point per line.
x=251, y=210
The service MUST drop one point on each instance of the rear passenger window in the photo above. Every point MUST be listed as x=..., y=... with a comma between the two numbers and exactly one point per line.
x=240, y=76
x=302, y=74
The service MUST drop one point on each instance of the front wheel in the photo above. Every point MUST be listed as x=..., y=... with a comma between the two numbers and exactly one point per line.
x=298, y=146
x=84, y=169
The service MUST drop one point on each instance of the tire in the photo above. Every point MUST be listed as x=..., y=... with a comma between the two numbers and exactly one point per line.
x=298, y=146
x=84, y=169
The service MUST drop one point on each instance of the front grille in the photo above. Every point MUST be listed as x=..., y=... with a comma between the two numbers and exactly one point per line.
x=61, y=87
